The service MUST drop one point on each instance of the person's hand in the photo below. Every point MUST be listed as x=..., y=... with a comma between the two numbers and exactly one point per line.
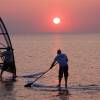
x=51, y=66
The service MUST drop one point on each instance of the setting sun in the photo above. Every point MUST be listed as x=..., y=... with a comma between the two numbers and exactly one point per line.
x=56, y=20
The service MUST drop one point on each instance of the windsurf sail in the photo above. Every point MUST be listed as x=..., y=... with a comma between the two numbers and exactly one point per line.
x=5, y=42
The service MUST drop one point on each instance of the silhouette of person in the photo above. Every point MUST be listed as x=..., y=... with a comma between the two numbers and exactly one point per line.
x=8, y=63
x=62, y=60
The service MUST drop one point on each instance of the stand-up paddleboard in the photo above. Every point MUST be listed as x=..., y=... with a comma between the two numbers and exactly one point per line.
x=5, y=42
x=44, y=87
x=54, y=88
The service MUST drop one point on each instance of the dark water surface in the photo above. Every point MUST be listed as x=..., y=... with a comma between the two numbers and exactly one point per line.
x=35, y=53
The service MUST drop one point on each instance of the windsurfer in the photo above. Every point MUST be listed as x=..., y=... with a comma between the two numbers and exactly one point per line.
x=8, y=63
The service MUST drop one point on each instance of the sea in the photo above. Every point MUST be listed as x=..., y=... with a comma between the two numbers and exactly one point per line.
x=34, y=54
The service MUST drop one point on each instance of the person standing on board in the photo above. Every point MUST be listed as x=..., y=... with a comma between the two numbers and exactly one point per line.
x=62, y=60
x=8, y=63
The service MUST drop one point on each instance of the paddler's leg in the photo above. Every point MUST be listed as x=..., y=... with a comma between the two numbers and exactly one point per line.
x=59, y=84
x=66, y=75
x=60, y=76
x=66, y=79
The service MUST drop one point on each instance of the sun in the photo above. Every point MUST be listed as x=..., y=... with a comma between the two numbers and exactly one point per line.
x=56, y=20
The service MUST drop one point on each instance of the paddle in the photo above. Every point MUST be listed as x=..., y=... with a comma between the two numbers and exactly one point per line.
x=29, y=84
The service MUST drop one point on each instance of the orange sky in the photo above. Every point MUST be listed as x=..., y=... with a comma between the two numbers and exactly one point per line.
x=31, y=16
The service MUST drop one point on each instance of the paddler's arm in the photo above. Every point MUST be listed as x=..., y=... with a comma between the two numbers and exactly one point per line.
x=53, y=63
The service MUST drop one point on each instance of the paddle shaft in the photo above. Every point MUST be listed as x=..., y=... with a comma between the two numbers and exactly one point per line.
x=40, y=76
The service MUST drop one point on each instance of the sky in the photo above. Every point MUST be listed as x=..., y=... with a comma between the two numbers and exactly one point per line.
x=35, y=16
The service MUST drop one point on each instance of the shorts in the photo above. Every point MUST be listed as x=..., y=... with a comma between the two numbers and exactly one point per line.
x=63, y=70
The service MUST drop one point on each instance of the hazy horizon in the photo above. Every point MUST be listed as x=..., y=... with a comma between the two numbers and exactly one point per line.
x=28, y=16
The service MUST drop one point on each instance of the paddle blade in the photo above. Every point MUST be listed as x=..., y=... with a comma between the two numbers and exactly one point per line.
x=28, y=85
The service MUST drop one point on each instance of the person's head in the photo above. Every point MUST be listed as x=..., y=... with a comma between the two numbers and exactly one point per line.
x=59, y=52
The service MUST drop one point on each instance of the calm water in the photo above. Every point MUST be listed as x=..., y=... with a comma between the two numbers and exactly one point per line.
x=35, y=53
